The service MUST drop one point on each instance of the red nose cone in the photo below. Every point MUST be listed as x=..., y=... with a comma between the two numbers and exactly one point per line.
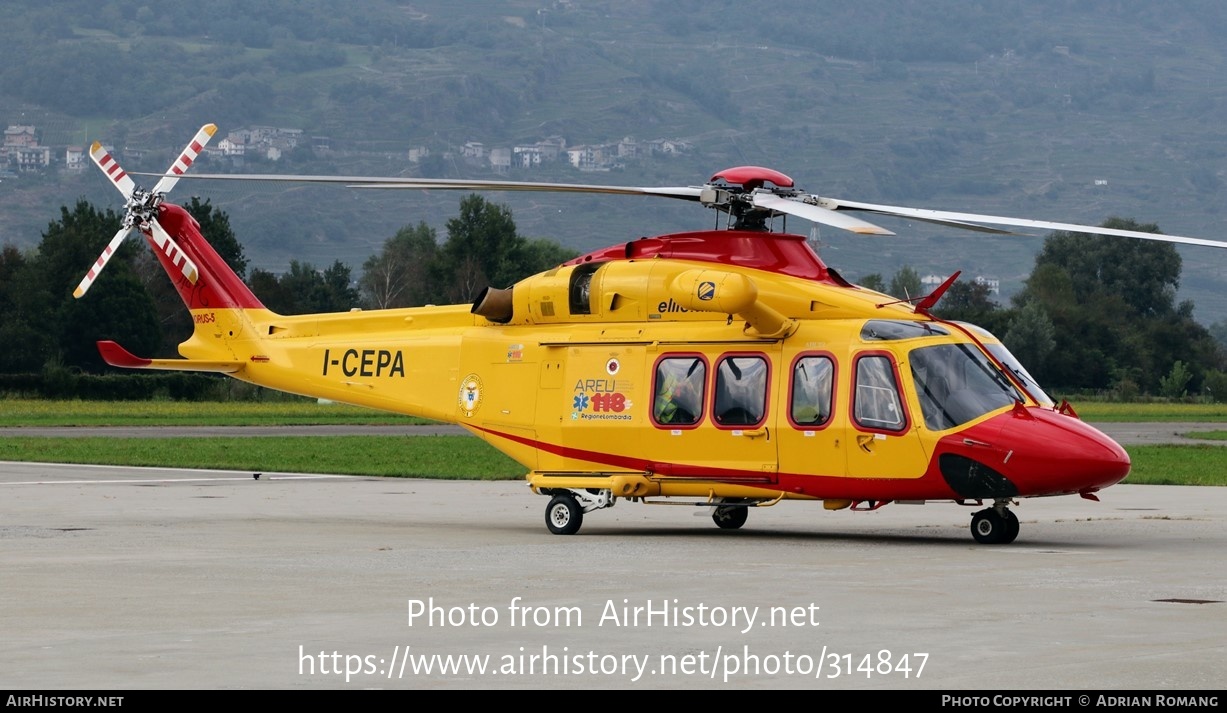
x=1041, y=452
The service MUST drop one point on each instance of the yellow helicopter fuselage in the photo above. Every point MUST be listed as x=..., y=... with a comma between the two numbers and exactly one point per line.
x=729, y=366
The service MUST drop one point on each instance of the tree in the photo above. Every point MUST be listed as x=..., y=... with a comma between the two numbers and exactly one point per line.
x=906, y=284
x=306, y=290
x=1111, y=303
x=874, y=281
x=16, y=325
x=267, y=287
x=215, y=227
x=542, y=254
x=1031, y=336
x=1175, y=384
x=117, y=306
x=399, y=275
x=336, y=291
x=968, y=301
x=482, y=250
x=1144, y=273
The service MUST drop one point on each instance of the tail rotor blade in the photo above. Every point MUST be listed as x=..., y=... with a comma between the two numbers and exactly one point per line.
x=181, y=164
x=102, y=261
x=171, y=250
x=112, y=169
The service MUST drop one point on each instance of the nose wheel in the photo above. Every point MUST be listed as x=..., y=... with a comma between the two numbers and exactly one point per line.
x=997, y=525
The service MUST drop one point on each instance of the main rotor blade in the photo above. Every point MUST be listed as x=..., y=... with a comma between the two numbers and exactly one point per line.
x=101, y=262
x=181, y=164
x=817, y=214
x=943, y=215
x=112, y=169
x=683, y=192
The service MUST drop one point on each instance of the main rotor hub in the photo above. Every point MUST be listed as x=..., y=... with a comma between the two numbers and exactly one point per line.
x=141, y=207
x=733, y=189
x=751, y=178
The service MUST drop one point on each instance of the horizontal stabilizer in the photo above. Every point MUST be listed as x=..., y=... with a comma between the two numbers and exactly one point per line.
x=116, y=355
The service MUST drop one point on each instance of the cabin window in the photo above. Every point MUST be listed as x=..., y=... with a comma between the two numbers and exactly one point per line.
x=680, y=382
x=956, y=383
x=741, y=391
x=877, y=404
x=813, y=381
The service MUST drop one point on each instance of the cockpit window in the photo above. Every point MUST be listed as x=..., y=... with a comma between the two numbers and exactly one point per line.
x=878, y=330
x=1010, y=362
x=956, y=383
x=1003, y=355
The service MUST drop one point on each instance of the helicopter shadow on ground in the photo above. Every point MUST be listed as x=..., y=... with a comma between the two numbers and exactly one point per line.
x=938, y=534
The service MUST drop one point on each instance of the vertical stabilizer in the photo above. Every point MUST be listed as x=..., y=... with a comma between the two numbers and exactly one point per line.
x=217, y=286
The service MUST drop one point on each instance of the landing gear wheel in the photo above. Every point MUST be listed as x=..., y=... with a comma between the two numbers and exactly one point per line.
x=730, y=517
x=991, y=527
x=563, y=515
x=1011, y=527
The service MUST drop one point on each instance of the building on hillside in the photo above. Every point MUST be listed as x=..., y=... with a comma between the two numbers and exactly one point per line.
x=32, y=158
x=20, y=136
x=74, y=159
x=526, y=156
x=500, y=160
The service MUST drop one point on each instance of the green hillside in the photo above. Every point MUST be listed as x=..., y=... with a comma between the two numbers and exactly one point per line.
x=1068, y=111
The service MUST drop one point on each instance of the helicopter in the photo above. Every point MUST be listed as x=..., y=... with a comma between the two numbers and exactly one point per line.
x=728, y=368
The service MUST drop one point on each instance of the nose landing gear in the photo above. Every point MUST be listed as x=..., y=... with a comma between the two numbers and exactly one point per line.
x=997, y=525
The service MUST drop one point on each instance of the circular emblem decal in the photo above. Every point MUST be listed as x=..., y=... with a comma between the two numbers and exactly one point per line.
x=612, y=366
x=470, y=394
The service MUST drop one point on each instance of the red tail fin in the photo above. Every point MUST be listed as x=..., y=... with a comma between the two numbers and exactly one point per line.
x=217, y=286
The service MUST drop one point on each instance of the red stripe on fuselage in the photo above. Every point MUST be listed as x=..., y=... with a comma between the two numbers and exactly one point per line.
x=1042, y=453
x=929, y=487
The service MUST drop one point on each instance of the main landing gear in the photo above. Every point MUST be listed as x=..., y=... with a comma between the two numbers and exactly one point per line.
x=731, y=515
x=997, y=525
x=565, y=513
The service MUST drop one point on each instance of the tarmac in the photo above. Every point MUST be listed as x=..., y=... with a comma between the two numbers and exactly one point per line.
x=119, y=578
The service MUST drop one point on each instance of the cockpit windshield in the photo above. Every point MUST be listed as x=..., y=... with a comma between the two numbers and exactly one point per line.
x=957, y=383
x=1003, y=355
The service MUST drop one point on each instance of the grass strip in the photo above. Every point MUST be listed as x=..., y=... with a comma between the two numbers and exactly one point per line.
x=33, y=412
x=1178, y=465
x=440, y=457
